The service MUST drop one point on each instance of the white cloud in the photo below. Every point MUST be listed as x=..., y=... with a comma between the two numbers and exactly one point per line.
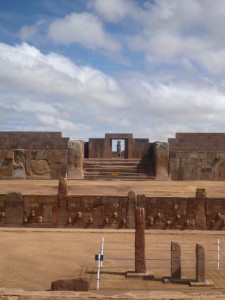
x=30, y=32
x=26, y=69
x=61, y=124
x=83, y=28
x=114, y=10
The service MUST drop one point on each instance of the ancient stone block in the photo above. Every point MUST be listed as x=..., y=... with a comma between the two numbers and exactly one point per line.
x=200, y=263
x=140, y=262
x=98, y=216
x=14, y=208
x=175, y=260
x=200, y=221
x=62, y=192
x=141, y=200
x=40, y=168
x=47, y=214
x=77, y=284
x=161, y=155
x=132, y=203
x=75, y=159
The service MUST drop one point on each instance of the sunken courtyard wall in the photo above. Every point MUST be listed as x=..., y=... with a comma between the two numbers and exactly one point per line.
x=197, y=156
x=115, y=212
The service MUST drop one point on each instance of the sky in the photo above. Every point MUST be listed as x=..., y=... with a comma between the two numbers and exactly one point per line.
x=90, y=67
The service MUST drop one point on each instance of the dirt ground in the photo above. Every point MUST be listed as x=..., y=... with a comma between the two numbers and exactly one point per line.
x=115, y=187
x=32, y=258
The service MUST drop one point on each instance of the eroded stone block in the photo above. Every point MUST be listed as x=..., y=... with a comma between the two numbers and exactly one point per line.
x=77, y=284
x=140, y=262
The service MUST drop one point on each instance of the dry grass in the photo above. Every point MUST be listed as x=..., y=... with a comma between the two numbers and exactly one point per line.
x=33, y=259
x=115, y=187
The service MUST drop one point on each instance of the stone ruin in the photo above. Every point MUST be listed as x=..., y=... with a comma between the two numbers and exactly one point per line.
x=116, y=212
x=48, y=155
x=140, y=270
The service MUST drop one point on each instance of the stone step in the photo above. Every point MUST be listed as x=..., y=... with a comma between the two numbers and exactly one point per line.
x=119, y=169
x=119, y=177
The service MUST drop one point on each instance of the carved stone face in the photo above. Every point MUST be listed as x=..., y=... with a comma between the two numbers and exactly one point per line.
x=79, y=214
x=91, y=220
x=33, y=213
x=115, y=215
x=107, y=220
x=151, y=220
x=69, y=220
x=40, y=219
x=124, y=221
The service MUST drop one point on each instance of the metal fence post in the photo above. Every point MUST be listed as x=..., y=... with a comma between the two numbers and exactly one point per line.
x=102, y=250
x=98, y=271
x=218, y=254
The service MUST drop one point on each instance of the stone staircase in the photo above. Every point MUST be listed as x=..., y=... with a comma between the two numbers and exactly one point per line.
x=122, y=169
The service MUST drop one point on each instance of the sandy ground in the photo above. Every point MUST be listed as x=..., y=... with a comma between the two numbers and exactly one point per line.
x=115, y=187
x=32, y=258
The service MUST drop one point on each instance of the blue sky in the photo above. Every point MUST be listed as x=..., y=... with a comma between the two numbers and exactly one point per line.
x=87, y=67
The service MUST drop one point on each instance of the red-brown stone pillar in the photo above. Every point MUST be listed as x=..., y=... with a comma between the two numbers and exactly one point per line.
x=62, y=191
x=140, y=262
x=200, y=222
x=175, y=260
x=200, y=263
x=62, y=202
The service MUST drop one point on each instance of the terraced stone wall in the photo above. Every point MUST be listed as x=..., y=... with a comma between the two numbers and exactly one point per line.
x=197, y=156
x=33, y=155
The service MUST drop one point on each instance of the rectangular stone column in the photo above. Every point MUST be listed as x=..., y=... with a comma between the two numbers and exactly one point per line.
x=175, y=260
x=200, y=263
x=140, y=262
x=200, y=219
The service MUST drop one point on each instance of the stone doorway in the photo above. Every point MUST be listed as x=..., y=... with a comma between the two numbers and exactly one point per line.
x=118, y=148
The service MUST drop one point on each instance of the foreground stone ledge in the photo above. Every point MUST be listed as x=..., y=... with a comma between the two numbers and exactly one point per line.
x=15, y=294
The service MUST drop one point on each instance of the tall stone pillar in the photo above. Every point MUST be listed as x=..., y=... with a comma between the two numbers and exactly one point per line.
x=161, y=157
x=140, y=262
x=200, y=263
x=175, y=260
x=75, y=159
x=62, y=202
x=200, y=219
x=62, y=191
x=131, y=205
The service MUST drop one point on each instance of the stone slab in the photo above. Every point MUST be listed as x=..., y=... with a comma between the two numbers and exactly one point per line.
x=145, y=276
x=207, y=283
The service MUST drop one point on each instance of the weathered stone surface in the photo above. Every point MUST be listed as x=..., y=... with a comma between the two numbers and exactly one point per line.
x=40, y=167
x=14, y=208
x=197, y=156
x=62, y=192
x=140, y=262
x=161, y=154
x=75, y=159
x=175, y=260
x=19, y=161
x=200, y=263
x=98, y=216
x=200, y=222
x=76, y=284
x=141, y=200
x=132, y=203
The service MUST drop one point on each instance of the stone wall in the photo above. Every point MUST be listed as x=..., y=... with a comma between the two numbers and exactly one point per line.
x=75, y=159
x=115, y=212
x=33, y=155
x=197, y=156
x=134, y=148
